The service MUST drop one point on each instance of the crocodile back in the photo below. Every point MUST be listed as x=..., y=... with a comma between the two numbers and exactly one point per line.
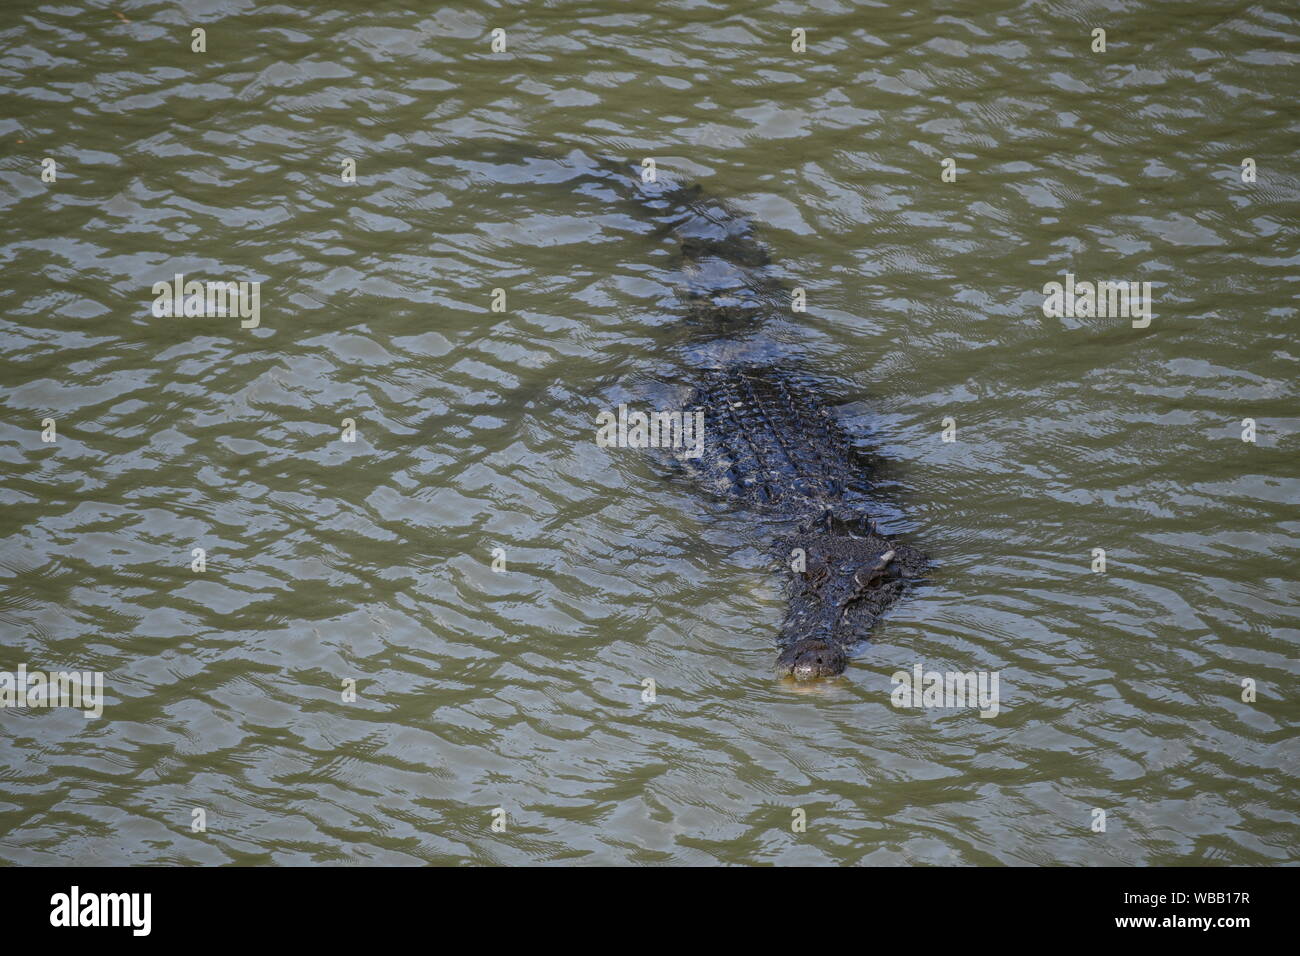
x=772, y=443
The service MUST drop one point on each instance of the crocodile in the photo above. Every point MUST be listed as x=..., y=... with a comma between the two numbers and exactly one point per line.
x=775, y=446
x=773, y=442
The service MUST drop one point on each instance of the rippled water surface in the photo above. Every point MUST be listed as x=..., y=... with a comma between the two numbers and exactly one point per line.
x=372, y=561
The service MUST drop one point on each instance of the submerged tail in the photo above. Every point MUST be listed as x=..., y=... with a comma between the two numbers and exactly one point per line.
x=727, y=270
x=728, y=276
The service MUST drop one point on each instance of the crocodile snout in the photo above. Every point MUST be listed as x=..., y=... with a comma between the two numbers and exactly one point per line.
x=811, y=658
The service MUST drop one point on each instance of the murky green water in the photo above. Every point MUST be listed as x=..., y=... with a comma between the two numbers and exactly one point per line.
x=371, y=560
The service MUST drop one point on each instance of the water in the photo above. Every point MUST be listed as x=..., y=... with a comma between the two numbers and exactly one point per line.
x=371, y=561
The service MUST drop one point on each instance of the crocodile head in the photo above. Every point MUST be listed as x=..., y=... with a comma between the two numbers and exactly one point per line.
x=847, y=582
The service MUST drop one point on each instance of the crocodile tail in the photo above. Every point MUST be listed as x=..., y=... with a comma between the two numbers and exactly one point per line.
x=727, y=274
x=727, y=271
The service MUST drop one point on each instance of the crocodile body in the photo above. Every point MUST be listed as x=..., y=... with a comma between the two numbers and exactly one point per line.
x=774, y=447
x=774, y=444
x=772, y=440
